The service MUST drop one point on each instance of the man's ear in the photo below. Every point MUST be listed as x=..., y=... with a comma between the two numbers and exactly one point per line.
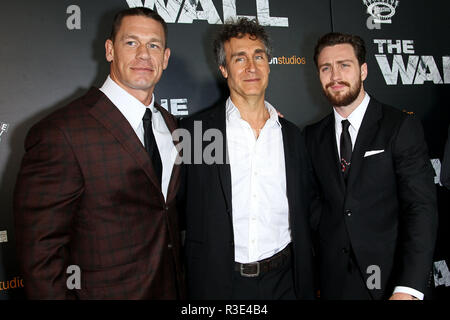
x=364, y=71
x=109, y=50
x=166, y=58
x=224, y=71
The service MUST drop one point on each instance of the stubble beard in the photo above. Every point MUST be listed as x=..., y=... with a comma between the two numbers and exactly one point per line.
x=342, y=100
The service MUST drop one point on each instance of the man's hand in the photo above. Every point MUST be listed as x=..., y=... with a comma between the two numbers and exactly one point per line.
x=402, y=296
x=280, y=114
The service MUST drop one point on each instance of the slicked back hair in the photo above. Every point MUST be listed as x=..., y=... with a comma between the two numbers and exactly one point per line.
x=335, y=38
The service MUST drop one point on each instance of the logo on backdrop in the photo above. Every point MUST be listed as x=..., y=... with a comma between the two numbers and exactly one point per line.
x=381, y=10
x=288, y=60
x=15, y=283
x=397, y=57
x=441, y=274
x=436, y=163
x=187, y=11
x=3, y=129
x=177, y=107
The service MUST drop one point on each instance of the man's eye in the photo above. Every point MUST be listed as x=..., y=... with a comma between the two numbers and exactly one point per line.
x=131, y=43
x=153, y=46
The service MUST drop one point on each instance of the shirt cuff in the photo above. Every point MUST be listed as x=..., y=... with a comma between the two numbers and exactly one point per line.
x=419, y=295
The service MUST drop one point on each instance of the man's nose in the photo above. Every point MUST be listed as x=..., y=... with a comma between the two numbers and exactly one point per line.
x=251, y=66
x=335, y=74
x=142, y=52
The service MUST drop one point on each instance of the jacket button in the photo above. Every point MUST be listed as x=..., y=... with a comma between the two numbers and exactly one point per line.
x=348, y=213
x=169, y=246
x=166, y=208
x=344, y=250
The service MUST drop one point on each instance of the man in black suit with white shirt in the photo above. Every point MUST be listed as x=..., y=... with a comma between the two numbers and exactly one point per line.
x=376, y=217
x=247, y=227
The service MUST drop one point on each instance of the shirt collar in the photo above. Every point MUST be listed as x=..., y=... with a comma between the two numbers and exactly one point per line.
x=356, y=117
x=232, y=112
x=131, y=108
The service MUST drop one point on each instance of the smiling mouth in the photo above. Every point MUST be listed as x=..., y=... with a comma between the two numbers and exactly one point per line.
x=142, y=69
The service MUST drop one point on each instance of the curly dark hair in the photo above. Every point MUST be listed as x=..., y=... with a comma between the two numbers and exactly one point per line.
x=138, y=11
x=334, y=38
x=238, y=29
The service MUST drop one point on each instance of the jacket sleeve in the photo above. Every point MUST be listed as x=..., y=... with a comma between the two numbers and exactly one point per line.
x=316, y=206
x=47, y=192
x=417, y=195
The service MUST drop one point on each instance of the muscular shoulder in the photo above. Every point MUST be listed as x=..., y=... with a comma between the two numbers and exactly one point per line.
x=65, y=120
x=74, y=112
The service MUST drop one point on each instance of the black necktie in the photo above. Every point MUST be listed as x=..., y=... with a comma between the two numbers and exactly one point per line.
x=150, y=143
x=346, y=148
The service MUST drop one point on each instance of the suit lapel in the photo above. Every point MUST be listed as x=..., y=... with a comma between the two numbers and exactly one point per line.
x=175, y=176
x=113, y=120
x=217, y=120
x=366, y=134
x=291, y=162
x=330, y=158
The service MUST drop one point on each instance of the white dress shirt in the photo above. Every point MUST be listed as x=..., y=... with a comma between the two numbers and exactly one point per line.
x=258, y=186
x=133, y=110
x=355, y=119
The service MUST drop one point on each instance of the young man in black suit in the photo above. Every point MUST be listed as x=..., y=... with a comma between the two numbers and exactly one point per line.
x=378, y=218
x=247, y=229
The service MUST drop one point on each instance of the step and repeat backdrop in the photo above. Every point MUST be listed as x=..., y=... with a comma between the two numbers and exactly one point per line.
x=53, y=51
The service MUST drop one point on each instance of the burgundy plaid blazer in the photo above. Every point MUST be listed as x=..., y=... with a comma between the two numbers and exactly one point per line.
x=87, y=195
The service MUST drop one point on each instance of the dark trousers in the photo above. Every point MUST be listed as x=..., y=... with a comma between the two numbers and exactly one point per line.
x=276, y=284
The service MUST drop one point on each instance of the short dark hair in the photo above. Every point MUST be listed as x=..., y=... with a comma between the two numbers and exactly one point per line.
x=138, y=11
x=334, y=38
x=238, y=29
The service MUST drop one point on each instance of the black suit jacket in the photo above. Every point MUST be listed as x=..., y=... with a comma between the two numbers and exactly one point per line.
x=386, y=216
x=208, y=215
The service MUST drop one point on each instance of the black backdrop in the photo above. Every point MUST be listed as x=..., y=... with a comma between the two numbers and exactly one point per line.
x=53, y=51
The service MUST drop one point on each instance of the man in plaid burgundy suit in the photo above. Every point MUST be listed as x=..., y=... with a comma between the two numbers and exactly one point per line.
x=97, y=184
